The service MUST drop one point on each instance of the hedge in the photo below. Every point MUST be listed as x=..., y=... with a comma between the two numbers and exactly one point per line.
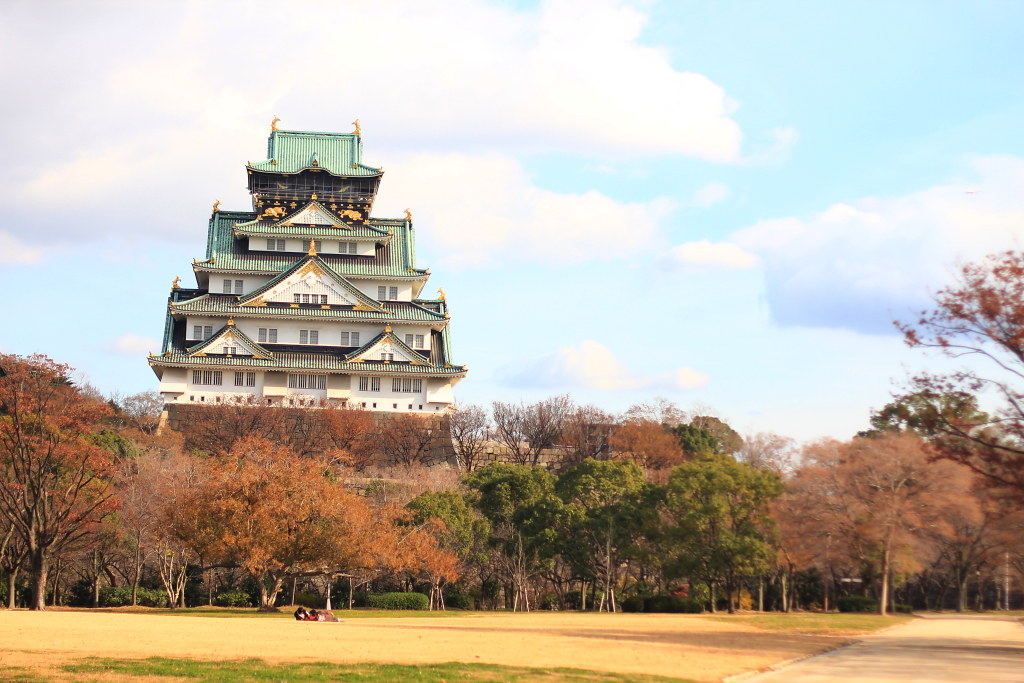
x=121, y=596
x=857, y=603
x=662, y=603
x=673, y=603
x=397, y=601
x=232, y=599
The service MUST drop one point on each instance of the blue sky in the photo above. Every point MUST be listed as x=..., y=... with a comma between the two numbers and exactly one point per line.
x=725, y=204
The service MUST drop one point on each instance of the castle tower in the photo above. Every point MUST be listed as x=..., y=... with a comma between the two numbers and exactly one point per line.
x=306, y=299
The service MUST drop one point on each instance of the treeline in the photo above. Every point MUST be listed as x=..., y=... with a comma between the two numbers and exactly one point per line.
x=543, y=505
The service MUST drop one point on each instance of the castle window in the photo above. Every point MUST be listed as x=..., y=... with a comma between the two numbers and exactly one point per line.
x=406, y=385
x=387, y=357
x=307, y=381
x=245, y=379
x=275, y=245
x=207, y=377
x=227, y=286
x=369, y=384
x=350, y=339
x=238, y=286
x=230, y=350
x=414, y=341
x=202, y=331
x=347, y=248
x=267, y=335
x=309, y=336
x=387, y=293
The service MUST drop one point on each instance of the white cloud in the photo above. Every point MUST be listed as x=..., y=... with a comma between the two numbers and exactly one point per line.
x=593, y=366
x=13, y=250
x=129, y=344
x=476, y=211
x=776, y=150
x=164, y=122
x=709, y=195
x=707, y=255
x=860, y=264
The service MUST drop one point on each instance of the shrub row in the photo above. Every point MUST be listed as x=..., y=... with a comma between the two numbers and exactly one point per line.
x=662, y=603
x=121, y=596
x=232, y=599
x=857, y=603
x=397, y=601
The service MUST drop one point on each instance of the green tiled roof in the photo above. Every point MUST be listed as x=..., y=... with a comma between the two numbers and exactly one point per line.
x=215, y=338
x=308, y=361
x=225, y=252
x=340, y=154
x=394, y=311
x=348, y=286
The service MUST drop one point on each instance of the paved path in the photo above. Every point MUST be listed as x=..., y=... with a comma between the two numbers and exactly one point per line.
x=935, y=648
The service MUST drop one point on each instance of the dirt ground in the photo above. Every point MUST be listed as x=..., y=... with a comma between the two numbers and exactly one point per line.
x=669, y=645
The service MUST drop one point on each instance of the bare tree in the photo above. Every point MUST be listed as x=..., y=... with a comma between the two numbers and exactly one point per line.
x=528, y=429
x=586, y=433
x=660, y=410
x=471, y=430
x=405, y=439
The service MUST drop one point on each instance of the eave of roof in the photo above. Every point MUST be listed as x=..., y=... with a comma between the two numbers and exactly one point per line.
x=307, y=362
x=399, y=312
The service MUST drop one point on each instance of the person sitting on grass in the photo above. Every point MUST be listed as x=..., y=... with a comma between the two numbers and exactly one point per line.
x=301, y=614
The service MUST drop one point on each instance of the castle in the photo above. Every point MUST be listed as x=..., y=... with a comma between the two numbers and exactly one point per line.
x=307, y=300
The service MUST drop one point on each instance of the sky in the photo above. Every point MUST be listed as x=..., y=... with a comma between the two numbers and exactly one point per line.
x=726, y=204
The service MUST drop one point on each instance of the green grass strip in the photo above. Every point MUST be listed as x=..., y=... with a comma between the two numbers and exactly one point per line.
x=258, y=670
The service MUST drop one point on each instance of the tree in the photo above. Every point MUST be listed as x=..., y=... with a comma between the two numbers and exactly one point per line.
x=585, y=434
x=471, y=430
x=54, y=480
x=510, y=497
x=273, y=513
x=647, y=443
x=695, y=441
x=405, y=439
x=728, y=441
x=979, y=317
x=716, y=514
x=527, y=430
x=605, y=506
x=773, y=451
x=139, y=411
x=882, y=498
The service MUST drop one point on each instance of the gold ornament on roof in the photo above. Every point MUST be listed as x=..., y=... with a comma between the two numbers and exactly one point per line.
x=358, y=130
x=408, y=215
x=231, y=322
x=312, y=247
x=216, y=206
x=440, y=294
x=273, y=124
x=313, y=196
x=175, y=285
x=387, y=329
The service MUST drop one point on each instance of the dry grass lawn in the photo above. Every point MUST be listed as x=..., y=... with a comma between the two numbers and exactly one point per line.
x=684, y=646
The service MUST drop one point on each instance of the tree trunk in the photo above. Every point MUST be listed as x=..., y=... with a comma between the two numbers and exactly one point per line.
x=961, y=594
x=12, y=583
x=711, y=592
x=137, y=574
x=269, y=596
x=883, y=598
x=40, y=568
